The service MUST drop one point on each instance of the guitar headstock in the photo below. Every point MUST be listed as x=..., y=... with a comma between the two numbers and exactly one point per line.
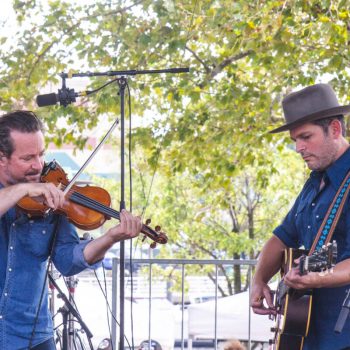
x=320, y=260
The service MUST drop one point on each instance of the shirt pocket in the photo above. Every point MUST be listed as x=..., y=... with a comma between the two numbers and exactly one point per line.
x=301, y=224
x=300, y=215
x=36, y=238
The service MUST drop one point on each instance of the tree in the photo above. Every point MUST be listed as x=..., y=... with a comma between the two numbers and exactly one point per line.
x=207, y=127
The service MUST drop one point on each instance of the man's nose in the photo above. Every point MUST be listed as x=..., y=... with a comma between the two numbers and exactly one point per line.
x=38, y=163
x=299, y=146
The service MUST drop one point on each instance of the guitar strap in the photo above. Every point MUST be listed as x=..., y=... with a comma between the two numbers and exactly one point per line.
x=326, y=230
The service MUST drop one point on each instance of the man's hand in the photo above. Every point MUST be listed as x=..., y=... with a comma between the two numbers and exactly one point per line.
x=46, y=193
x=260, y=292
x=129, y=227
x=294, y=280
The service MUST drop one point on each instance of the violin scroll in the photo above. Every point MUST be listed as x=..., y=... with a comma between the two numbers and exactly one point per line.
x=156, y=235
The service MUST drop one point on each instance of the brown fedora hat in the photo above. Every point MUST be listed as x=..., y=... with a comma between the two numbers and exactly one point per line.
x=311, y=103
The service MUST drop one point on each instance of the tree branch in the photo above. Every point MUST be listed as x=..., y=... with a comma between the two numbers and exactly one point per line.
x=207, y=69
x=226, y=62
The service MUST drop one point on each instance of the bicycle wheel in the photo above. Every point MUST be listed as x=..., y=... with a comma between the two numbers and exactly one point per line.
x=58, y=339
x=78, y=343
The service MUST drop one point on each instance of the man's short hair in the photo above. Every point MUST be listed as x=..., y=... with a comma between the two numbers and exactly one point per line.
x=22, y=121
x=324, y=123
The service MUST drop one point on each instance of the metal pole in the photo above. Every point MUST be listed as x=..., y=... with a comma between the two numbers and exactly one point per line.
x=122, y=85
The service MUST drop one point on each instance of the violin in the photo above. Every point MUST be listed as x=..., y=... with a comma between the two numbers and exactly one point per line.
x=87, y=207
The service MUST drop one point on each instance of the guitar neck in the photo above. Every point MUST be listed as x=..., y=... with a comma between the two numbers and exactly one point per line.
x=283, y=289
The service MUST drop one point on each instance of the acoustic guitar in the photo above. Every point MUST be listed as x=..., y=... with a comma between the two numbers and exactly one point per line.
x=294, y=306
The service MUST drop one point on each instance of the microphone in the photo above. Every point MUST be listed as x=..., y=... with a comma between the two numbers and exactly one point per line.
x=86, y=237
x=65, y=96
x=344, y=313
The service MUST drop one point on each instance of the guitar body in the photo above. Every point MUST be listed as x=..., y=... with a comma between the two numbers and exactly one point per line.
x=292, y=324
x=293, y=310
x=294, y=307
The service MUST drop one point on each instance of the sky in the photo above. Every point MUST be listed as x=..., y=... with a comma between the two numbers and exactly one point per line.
x=7, y=14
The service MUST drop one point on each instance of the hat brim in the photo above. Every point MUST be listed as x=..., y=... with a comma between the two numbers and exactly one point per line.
x=314, y=116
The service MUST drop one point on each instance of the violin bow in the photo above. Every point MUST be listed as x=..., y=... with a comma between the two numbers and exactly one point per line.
x=75, y=177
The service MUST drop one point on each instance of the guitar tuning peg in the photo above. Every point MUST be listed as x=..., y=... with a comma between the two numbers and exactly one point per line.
x=148, y=221
x=143, y=238
x=153, y=245
x=157, y=228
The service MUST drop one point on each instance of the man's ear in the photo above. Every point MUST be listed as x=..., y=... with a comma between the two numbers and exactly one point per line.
x=2, y=158
x=335, y=128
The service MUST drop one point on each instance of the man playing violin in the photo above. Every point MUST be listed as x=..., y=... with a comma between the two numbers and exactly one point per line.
x=25, y=243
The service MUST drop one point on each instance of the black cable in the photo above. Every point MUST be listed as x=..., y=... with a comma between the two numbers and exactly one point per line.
x=101, y=87
x=108, y=323
x=109, y=307
x=52, y=244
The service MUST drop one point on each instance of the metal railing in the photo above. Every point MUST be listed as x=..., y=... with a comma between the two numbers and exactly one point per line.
x=180, y=263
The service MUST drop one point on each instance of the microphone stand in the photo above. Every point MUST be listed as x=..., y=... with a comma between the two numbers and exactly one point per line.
x=66, y=311
x=122, y=82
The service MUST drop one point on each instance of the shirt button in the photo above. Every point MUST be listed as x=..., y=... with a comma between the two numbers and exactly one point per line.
x=13, y=224
x=10, y=269
x=44, y=231
x=313, y=204
x=5, y=294
x=308, y=226
x=0, y=317
x=317, y=216
x=11, y=248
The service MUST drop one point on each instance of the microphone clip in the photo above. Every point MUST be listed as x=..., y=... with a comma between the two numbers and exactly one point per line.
x=66, y=96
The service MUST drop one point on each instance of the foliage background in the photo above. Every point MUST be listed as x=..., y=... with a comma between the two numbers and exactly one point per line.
x=219, y=182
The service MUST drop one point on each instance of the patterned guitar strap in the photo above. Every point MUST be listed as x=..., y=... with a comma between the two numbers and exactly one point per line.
x=326, y=230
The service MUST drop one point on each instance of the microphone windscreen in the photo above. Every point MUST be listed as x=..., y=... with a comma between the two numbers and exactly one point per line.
x=87, y=236
x=344, y=313
x=46, y=100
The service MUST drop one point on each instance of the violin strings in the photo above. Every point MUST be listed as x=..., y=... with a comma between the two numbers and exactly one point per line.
x=93, y=204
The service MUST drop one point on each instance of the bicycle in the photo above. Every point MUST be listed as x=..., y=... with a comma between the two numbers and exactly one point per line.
x=69, y=337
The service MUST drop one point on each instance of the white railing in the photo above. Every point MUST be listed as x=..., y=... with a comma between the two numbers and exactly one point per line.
x=151, y=288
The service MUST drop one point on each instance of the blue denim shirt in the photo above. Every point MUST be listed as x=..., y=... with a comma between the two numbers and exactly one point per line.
x=24, y=250
x=299, y=228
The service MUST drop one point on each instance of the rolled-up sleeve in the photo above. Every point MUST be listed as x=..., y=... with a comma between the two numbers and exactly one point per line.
x=78, y=257
x=68, y=253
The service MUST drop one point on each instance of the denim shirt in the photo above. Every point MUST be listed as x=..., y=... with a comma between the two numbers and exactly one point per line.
x=299, y=228
x=24, y=250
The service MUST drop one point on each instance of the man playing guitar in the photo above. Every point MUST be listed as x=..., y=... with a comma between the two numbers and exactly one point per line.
x=315, y=121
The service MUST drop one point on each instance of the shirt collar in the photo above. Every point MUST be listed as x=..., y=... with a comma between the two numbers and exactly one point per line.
x=337, y=171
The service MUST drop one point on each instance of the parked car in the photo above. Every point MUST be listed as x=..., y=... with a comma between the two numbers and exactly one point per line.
x=114, y=253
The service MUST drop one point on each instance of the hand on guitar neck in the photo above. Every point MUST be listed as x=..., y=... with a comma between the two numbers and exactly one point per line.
x=306, y=272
